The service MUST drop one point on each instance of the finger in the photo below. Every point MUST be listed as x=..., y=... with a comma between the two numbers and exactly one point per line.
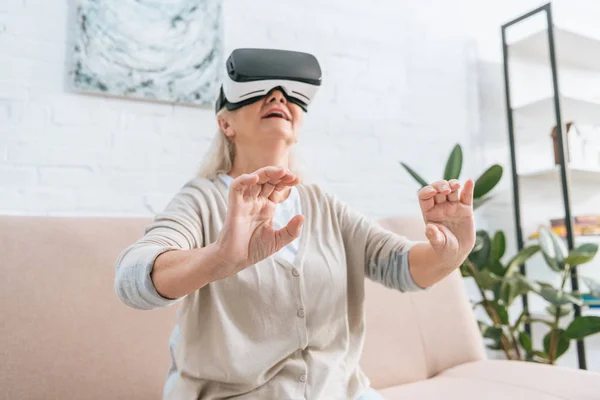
x=440, y=198
x=270, y=174
x=289, y=177
x=288, y=183
x=442, y=186
x=435, y=236
x=290, y=232
x=254, y=190
x=466, y=196
x=426, y=198
x=279, y=195
x=426, y=192
x=266, y=190
x=242, y=183
x=454, y=186
x=443, y=189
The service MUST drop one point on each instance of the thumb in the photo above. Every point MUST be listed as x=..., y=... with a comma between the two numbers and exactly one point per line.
x=291, y=231
x=435, y=236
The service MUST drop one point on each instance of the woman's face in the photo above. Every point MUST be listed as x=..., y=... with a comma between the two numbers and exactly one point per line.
x=272, y=117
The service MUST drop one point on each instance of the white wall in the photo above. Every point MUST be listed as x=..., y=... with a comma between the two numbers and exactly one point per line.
x=396, y=87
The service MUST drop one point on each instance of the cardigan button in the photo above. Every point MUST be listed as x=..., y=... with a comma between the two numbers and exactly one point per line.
x=303, y=378
x=295, y=272
x=301, y=313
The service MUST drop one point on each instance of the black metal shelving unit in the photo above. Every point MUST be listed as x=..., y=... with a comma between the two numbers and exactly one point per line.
x=547, y=8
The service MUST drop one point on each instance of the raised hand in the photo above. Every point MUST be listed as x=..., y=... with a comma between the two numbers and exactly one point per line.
x=448, y=215
x=248, y=235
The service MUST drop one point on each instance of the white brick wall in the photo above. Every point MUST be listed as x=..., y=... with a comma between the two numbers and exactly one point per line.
x=397, y=86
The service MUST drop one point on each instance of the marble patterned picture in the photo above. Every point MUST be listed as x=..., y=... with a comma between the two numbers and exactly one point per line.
x=161, y=50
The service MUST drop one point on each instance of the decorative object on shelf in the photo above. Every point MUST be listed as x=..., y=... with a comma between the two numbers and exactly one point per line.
x=554, y=136
x=152, y=50
x=582, y=146
x=501, y=282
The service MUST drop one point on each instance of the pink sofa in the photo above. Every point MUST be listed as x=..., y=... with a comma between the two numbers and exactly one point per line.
x=65, y=335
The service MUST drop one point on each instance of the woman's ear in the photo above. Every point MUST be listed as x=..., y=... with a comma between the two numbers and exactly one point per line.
x=224, y=125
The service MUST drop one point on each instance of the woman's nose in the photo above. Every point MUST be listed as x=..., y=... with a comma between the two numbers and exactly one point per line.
x=276, y=96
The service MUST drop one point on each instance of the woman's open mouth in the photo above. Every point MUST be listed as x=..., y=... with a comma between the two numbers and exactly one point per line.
x=276, y=113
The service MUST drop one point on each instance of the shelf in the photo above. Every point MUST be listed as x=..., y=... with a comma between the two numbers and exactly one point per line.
x=543, y=314
x=572, y=49
x=578, y=110
x=587, y=238
x=590, y=312
x=581, y=175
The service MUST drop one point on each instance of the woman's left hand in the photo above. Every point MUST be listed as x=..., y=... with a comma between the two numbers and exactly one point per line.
x=448, y=215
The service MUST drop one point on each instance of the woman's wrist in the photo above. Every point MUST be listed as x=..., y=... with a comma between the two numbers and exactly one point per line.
x=210, y=264
x=428, y=265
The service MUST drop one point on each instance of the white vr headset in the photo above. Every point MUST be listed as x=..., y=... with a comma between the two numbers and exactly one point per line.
x=254, y=73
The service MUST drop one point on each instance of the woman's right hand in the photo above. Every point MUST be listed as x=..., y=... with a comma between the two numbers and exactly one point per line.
x=248, y=235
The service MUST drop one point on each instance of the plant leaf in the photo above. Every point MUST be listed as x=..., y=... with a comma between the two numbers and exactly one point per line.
x=497, y=268
x=517, y=324
x=525, y=341
x=582, y=254
x=521, y=286
x=487, y=181
x=593, y=285
x=492, y=333
x=494, y=346
x=482, y=326
x=501, y=311
x=480, y=254
x=486, y=279
x=478, y=202
x=464, y=271
x=583, y=326
x=514, y=286
x=562, y=311
x=498, y=245
x=415, y=176
x=562, y=342
x=541, y=354
x=520, y=258
x=553, y=248
x=541, y=321
x=454, y=164
x=558, y=297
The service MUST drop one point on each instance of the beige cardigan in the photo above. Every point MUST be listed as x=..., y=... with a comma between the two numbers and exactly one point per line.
x=275, y=330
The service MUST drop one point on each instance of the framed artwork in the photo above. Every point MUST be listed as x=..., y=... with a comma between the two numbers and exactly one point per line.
x=170, y=51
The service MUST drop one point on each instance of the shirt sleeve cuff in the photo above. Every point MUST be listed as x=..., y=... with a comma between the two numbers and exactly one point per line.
x=406, y=277
x=134, y=283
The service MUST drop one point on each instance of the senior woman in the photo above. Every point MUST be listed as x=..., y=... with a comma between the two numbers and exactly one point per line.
x=270, y=270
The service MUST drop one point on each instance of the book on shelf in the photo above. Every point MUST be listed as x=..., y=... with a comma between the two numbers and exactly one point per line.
x=583, y=225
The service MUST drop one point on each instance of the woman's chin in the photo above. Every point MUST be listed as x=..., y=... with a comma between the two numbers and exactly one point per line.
x=275, y=132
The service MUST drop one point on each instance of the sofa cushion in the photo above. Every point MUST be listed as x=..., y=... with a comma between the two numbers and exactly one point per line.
x=64, y=333
x=501, y=380
x=415, y=336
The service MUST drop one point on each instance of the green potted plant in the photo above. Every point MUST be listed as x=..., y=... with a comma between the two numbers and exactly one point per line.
x=500, y=282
